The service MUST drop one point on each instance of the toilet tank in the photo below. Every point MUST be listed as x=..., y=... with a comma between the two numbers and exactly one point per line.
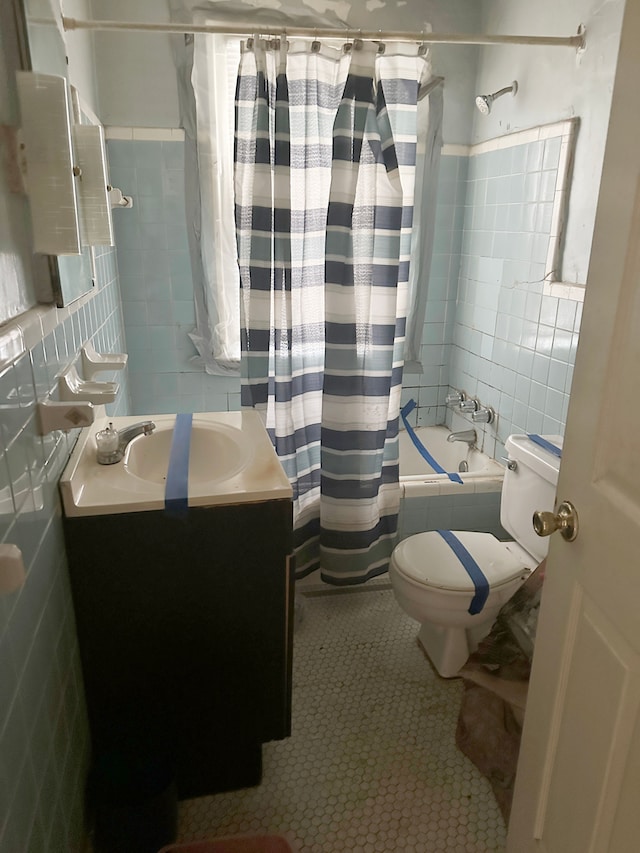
x=531, y=485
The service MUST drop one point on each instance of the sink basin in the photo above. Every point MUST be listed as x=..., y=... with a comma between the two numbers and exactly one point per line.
x=216, y=452
x=231, y=460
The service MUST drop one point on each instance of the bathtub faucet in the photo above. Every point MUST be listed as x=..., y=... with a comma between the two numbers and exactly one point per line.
x=467, y=435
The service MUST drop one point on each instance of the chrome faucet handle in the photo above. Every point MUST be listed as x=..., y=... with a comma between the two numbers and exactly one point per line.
x=483, y=415
x=469, y=405
x=455, y=398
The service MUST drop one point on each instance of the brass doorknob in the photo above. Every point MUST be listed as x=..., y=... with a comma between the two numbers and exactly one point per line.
x=565, y=520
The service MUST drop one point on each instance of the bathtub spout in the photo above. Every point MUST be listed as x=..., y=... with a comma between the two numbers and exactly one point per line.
x=466, y=435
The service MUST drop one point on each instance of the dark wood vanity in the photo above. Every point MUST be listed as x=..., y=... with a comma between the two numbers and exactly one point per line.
x=185, y=631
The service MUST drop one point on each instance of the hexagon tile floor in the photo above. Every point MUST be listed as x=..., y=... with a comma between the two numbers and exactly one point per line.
x=372, y=763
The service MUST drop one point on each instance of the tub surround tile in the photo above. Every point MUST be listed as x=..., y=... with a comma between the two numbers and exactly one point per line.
x=434, y=502
x=509, y=319
x=450, y=488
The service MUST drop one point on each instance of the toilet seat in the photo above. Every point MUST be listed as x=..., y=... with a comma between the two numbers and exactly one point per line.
x=427, y=559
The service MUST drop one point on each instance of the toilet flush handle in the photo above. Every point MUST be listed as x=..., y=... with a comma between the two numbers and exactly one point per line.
x=565, y=520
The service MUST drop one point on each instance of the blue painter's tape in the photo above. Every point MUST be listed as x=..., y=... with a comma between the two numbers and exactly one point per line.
x=176, y=493
x=548, y=445
x=474, y=571
x=422, y=450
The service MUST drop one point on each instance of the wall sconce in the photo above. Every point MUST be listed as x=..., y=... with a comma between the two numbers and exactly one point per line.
x=64, y=169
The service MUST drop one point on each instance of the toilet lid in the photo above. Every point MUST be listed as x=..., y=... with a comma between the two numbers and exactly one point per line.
x=428, y=559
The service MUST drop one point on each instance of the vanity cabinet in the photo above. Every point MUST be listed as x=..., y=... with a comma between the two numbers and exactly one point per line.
x=185, y=631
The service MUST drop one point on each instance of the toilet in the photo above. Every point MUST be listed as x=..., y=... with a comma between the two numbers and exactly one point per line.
x=455, y=582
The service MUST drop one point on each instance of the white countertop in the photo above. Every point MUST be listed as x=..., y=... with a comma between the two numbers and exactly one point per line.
x=88, y=488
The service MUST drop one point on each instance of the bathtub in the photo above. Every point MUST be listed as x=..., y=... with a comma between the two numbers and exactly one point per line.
x=432, y=501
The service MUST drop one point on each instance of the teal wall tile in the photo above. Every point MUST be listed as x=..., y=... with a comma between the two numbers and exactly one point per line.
x=506, y=337
x=122, y=154
x=150, y=210
x=153, y=236
x=184, y=313
x=173, y=183
x=157, y=287
x=150, y=181
x=173, y=155
x=44, y=741
x=176, y=227
x=147, y=155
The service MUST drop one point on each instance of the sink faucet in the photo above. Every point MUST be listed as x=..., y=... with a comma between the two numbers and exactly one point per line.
x=112, y=443
x=467, y=435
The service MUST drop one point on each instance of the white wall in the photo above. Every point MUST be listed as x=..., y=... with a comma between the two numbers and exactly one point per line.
x=135, y=81
x=456, y=63
x=80, y=49
x=136, y=78
x=135, y=71
x=556, y=83
x=54, y=51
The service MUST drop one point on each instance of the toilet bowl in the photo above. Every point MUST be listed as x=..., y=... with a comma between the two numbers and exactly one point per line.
x=431, y=585
x=455, y=582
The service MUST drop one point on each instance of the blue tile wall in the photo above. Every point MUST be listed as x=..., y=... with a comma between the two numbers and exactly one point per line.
x=513, y=346
x=503, y=340
x=430, y=388
x=44, y=740
x=156, y=282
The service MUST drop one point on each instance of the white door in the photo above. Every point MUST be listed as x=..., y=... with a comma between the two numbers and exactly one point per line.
x=578, y=781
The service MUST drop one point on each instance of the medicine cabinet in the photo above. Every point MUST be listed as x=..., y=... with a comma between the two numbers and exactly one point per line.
x=63, y=158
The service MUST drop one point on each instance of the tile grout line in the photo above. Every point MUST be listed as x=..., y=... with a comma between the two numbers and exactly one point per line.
x=372, y=763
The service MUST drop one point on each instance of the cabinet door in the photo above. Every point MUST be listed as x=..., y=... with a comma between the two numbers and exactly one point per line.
x=185, y=628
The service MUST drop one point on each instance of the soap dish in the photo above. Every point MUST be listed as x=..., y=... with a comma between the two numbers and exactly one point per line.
x=94, y=362
x=71, y=387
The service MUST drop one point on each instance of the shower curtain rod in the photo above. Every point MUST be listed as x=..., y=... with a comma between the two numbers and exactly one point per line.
x=236, y=29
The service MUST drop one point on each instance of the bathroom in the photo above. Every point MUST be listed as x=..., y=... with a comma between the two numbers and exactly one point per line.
x=44, y=739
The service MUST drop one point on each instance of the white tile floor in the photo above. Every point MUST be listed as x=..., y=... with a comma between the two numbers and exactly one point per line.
x=372, y=763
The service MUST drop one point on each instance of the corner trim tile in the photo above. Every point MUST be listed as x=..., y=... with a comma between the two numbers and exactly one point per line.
x=145, y=134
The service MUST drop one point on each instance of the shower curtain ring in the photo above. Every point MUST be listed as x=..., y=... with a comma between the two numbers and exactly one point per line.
x=315, y=44
x=424, y=47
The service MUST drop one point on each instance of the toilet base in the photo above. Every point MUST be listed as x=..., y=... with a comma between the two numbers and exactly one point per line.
x=448, y=649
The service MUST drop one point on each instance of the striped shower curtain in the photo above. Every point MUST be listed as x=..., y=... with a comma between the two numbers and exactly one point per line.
x=325, y=155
